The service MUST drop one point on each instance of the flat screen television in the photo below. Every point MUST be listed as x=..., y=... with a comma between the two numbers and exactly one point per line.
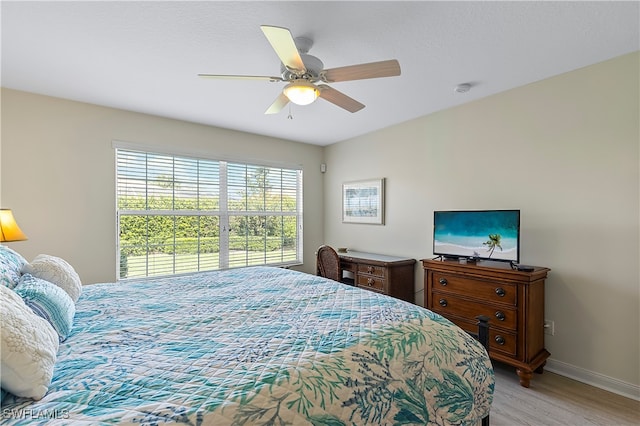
x=478, y=234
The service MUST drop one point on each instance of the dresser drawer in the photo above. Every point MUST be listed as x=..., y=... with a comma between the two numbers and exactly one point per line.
x=499, y=340
x=348, y=266
x=478, y=289
x=371, y=283
x=502, y=342
x=448, y=305
x=378, y=271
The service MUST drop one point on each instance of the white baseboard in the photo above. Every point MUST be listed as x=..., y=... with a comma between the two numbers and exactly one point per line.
x=594, y=379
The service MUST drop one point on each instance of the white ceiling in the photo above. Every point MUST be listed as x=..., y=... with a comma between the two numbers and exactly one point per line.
x=144, y=56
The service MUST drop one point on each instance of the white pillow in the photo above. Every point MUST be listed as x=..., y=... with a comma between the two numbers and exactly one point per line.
x=28, y=348
x=11, y=262
x=57, y=271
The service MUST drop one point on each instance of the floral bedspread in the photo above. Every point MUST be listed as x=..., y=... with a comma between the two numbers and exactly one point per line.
x=258, y=346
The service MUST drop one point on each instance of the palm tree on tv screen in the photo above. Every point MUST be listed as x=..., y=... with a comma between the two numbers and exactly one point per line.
x=494, y=241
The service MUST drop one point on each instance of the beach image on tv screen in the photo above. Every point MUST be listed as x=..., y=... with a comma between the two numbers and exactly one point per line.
x=483, y=234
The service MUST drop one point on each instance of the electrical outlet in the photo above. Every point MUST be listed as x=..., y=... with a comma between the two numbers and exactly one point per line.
x=549, y=327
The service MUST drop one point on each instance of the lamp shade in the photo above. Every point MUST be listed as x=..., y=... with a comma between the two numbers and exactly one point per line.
x=301, y=92
x=9, y=229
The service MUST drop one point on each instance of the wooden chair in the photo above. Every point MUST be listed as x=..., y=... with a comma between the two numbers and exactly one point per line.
x=328, y=263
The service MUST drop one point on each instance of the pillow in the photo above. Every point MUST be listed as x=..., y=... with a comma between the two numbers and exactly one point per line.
x=11, y=263
x=48, y=301
x=28, y=348
x=57, y=271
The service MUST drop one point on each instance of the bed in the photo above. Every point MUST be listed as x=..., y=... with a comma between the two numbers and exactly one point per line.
x=257, y=346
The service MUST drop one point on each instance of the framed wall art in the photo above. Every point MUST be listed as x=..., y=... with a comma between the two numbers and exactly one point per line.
x=363, y=202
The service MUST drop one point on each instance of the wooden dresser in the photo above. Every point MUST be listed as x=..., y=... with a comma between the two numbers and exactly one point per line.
x=513, y=300
x=390, y=275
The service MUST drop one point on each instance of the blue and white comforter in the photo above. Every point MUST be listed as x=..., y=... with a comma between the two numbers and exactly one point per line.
x=259, y=346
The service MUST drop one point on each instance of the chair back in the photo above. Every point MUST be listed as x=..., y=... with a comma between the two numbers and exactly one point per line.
x=328, y=263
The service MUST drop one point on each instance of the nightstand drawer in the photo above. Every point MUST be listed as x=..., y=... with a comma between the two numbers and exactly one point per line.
x=378, y=271
x=449, y=305
x=371, y=283
x=484, y=290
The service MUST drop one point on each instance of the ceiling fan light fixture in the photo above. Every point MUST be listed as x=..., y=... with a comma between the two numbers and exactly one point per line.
x=301, y=92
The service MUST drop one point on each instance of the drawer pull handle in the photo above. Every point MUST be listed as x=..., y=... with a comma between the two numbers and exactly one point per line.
x=500, y=340
x=443, y=281
x=500, y=291
x=443, y=302
x=370, y=281
x=500, y=316
x=369, y=269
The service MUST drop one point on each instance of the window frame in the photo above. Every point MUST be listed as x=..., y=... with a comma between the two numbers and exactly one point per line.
x=224, y=213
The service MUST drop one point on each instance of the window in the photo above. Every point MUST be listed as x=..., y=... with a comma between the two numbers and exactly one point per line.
x=178, y=214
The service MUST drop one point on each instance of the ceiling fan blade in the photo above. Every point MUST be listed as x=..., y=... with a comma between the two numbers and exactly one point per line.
x=277, y=105
x=241, y=77
x=282, y=42
x=388, y=68
x=340, y=99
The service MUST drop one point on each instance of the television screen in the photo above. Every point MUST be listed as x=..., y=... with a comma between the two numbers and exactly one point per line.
x=481, y=234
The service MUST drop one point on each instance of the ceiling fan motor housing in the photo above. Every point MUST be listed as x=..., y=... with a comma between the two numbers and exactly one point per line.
x=313, y=65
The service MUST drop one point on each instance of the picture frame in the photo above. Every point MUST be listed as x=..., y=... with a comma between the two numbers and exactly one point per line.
x=363, y=201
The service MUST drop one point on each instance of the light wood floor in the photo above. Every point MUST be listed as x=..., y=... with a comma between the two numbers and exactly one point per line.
x=556, y=400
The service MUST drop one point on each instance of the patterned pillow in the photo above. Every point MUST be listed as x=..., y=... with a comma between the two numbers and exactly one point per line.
x=57, y=271
x=11, y=263
x=48, y=301
x=28, y=348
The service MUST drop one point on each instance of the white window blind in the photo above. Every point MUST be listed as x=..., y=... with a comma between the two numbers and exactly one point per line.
x=177, y=214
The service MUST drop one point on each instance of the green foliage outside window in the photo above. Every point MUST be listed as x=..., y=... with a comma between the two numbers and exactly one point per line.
x=141, y=234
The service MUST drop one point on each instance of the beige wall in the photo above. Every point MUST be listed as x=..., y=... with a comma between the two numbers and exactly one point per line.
x=565, y=152
x=58, y=173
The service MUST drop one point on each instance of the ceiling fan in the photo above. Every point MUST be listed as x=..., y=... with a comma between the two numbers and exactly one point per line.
x=302, y=71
